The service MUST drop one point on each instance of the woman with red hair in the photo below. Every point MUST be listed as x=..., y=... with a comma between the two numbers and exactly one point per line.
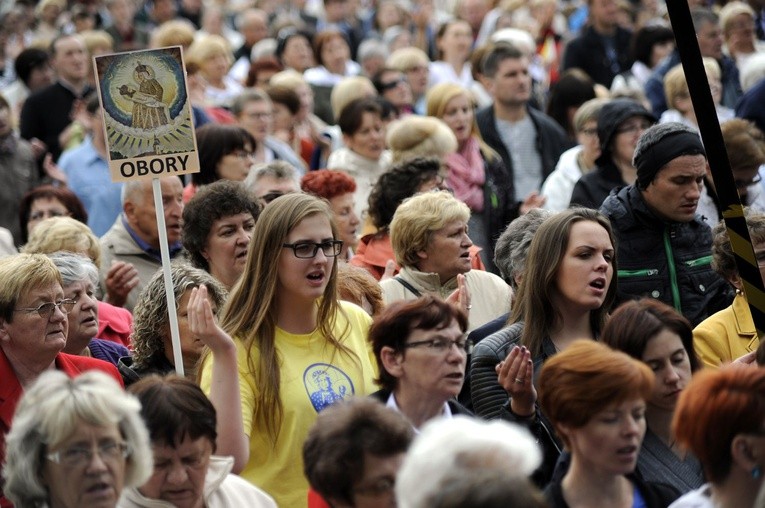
x=721, y=419
x=337, y=188
x=595, y=398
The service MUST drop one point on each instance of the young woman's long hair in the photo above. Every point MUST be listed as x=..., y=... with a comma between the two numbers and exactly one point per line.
x=533, y=304
x=250, y=312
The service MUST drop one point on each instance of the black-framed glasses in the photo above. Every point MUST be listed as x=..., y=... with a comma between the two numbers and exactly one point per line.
x=442, y=345
x=78, y=456
x=307, y=250
x=633, y=128
x=45, y=310
x=743, y=184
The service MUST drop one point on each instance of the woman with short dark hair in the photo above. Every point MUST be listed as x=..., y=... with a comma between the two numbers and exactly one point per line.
x=182, y=426
x=421, y=351
x=364, y=156
x=657, y=335
x=226, y=152
x=217, y=229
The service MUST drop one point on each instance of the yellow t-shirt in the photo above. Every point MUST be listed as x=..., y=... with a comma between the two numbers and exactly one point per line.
x=313, y=376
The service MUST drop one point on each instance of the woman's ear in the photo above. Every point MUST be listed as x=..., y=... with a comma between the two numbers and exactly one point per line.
x=746, y=455
x=392, y=361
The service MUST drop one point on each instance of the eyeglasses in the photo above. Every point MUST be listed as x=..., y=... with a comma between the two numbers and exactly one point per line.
x=380, y=487
x=384, y=87
x=45, y=310
x=442, y=345
x=743, y=184
x=47, y=214
x=78, y=456
x=633, y=128
x=589, y=132
x=243, y=154
x=308, y=250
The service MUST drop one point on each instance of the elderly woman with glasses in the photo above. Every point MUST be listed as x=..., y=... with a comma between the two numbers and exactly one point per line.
x=421, y=351
x=299, y=349
x=33, y=330
x=75, y=443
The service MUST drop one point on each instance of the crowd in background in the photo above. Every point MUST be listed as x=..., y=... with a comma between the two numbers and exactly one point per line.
x=439, y=253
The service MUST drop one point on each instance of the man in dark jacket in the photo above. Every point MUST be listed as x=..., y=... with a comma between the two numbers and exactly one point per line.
x=602, y=50
x=528, y=141
x=664, y=248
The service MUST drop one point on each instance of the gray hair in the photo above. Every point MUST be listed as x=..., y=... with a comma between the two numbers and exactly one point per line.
x=462, y=447
x=247, y=96
x=371, y=48
x=51, y=410
x=150, y=316
x=277, y=169
x=701, y=15
x=513, y=244
x=657, y=132
x=74, y=268
x=132, y=190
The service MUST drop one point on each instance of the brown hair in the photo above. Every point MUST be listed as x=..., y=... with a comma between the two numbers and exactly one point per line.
x=392, y=327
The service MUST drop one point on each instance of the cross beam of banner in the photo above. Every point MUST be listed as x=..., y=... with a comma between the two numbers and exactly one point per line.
x=717, y=156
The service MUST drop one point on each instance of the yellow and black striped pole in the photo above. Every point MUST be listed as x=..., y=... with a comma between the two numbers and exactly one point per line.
x=730, y=203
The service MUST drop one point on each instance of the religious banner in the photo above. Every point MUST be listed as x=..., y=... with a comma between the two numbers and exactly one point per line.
x=147, y=114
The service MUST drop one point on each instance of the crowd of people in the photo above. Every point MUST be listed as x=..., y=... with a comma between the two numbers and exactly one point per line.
x=439, y=254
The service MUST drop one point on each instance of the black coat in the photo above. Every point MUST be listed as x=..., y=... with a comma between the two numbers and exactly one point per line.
x=551, y=143
x=669, y=261
x=491, y=401
x=656, y=495
x=593, y=188
x=587, y=52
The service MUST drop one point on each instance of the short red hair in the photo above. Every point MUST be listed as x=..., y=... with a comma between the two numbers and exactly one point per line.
x=586, y=378
x=327, y=183
x=716, y=406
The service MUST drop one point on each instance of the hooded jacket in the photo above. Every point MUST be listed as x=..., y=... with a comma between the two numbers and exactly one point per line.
x=593, y=188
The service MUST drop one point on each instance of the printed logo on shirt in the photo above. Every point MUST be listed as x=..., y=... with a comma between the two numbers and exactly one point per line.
x=326, y=384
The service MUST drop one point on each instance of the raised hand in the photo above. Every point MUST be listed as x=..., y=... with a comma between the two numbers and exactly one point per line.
x=516, y=375
x=203, y=324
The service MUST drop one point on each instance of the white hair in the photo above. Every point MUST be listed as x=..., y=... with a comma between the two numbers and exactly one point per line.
x=753, y=71
x=50, y=410
x=521, y=39
x=462, y=446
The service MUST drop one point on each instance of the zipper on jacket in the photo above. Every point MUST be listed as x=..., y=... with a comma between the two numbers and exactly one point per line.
x=702, y=261
x=672, y=272
x=637, y=273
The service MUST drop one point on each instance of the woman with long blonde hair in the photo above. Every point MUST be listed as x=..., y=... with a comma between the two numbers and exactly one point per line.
x=299, y=349
x=476, y=173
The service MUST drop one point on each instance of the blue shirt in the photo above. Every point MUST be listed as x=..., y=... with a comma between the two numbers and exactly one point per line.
x=90, y=180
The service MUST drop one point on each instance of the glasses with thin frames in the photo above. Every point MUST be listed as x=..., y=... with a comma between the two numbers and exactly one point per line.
x=45, y=310
x=78, y=456
x=307, y=250
x=442, y=345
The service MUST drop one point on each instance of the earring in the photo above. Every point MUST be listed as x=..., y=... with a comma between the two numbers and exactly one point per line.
x=756, y=472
